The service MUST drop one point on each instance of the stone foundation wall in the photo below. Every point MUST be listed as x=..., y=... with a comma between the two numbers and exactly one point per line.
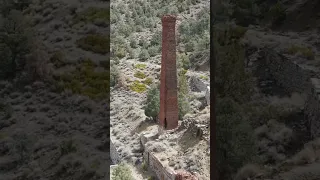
x=163, y=172
x=312, y=107
x=294, y=78
x=289, y=75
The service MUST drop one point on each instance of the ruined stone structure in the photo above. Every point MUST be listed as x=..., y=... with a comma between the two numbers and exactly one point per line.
x=294, y=78
x=168, y=116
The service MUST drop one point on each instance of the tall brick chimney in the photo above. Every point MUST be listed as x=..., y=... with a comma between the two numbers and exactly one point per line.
x=168, y=116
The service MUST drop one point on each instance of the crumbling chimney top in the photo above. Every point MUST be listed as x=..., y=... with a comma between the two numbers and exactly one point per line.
x=169, y=18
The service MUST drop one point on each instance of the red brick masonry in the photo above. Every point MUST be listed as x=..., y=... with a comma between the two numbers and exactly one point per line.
x=168, y=87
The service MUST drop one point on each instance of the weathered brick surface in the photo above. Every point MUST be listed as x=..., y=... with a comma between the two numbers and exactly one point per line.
x=168, y=87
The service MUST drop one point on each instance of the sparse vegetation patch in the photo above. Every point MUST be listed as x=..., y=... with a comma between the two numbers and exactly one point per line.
x=95, y=42
x=85, y=80
x=140, y=75
x=306, y=52
x=138, y=87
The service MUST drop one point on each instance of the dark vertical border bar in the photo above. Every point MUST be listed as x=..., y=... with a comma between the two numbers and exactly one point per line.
x=213, y=167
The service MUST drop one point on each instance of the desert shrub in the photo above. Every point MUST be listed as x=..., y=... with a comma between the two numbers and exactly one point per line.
x=132, y=53
x=122, y=172
x=273, y=139
x=118, y=41
x=140, y=66
x=7, y=5
x=235, y=143
x=139, y=74
x=120, y=52
x=95, y=42
x=114, y=17
x=143, y=43
x=138, y=87
x=124, y=29
x=190, y=46
x=246, y=12
x=277, y=13
x=183, y=104
x=183, y=83
x=58, y=59
x=6, y=110
x=156, y=38
x=22, y=145
x=184, y=61
x=67, y=147
x=85, y=80
x=133, y=42
x=15, y=42
x=92, y=14
x=203, y=43
x=306, y=52
x=230, y=71
x=153, y=102
x=183, y=99
x=36, y=67
x=144, y=166
x=153, y=50
x=114, y=75
x=144, y=55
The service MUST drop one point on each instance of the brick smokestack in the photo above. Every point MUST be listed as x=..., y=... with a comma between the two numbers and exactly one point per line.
x=168, y=82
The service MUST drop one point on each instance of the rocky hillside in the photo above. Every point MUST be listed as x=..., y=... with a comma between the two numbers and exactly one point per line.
x=54, y=89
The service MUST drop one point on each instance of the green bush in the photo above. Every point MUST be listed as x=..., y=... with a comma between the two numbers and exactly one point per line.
x=153, y=50
x=190, y=46
x=138, y=87
x=235, y=142
x=133, y=42
x=184, y=61
x=86, y=81
x=67, y=147
x=22, y=146
x=153, y=102
x=183, y=99
x=124, y=29
x=114, y=75
x=122, y=172
x=277, y=13
x=120, y=52
x=143, y=43
x=92, y=14
x=15, y=42
x=132, y=53
x=95, y=42
x=144, y=55
x=156, y=38
x=232, y=78
x=114, y=17
x=58, y=59
x=183, y=104
x=7, y=5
